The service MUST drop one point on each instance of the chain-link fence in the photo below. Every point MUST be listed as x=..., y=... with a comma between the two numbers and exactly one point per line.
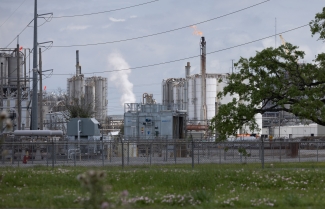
x=128, y=153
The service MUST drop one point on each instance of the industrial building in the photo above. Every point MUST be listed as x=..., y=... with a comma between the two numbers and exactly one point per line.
x=93, y=90
x=294, y=131
x=147, y=121
x=197, y=94
x=14, y=86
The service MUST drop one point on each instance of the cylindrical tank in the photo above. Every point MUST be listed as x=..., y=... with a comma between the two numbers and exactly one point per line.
x=4, y=60
x=90, y=92
x=198, y=106
x=76, y=87
x=174, y=101
x=228, y=98
x=211, y=88
x=190, y=94
x=100, y=98
x=12, y=70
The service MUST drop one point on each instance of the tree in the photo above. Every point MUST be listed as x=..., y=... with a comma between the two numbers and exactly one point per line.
x=273, y=76
x=77, y=108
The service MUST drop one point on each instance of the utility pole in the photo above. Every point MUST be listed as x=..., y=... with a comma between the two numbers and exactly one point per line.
x=34, y=99
x=18, y=87
x=25, y=69
x=40, y=90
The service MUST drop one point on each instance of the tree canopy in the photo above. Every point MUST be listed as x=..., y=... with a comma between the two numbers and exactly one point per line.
x=274, y=76
x=77, y=108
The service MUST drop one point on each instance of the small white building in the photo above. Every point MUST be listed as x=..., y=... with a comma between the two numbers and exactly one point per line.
x=294, y=131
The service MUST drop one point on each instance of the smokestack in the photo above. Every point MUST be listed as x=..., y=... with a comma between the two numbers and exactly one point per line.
x=77, y=62
x=203, y=81
x=187, y=69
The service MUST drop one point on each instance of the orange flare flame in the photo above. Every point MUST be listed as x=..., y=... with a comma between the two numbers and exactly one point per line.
x=196, y=31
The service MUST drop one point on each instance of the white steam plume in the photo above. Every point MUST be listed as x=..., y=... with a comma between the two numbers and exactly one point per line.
x=121, y=78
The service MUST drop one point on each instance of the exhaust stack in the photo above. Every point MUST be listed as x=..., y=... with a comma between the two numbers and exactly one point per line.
x=203, y=81
x=187, y=69
x=78, y=67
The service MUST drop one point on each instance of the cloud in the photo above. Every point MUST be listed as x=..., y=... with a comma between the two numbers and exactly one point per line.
x=106, y=26
x=270, y=42
x=133, y=16
x=116, y=20
x=120, y=77
x=75, y=27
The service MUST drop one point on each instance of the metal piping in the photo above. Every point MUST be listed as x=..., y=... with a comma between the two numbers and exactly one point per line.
x=38, y=133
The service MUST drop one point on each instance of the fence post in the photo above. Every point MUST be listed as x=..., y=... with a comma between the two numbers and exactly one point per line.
x=166, y=150
x=299, y=151
x=110, y=151
x=12, y=153
x=3, y=154
x=317, y=151
x=192, y=153
x=47, y=155
x=280, y=150
x=102, y=152
x=175, y=150
x=128, y=153
x=198, y=152
x=262, y=153
x=150, y=151
x=52, y=153
x=32, y=154
x=122, y=153
x=74, y=157
x=19, y=156
x=219, y=148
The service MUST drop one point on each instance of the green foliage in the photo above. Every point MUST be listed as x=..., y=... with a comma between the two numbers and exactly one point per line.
x=274, y=76
x=318, y=25
x=206, y=186
x=77, y=108
x=91, y=181
x=243, y=152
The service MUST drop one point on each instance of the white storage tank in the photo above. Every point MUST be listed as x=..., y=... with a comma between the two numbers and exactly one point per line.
x=100, y=98
x=211, y=93
x=76, y=86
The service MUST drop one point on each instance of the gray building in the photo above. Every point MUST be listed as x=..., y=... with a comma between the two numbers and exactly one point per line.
x=153, y=121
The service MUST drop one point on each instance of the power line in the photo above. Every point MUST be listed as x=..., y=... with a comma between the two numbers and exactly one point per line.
x=19, y=34
x=12, y=13
x=113, y=10
x=46, y=20
x=195, y=56
x=159, y=33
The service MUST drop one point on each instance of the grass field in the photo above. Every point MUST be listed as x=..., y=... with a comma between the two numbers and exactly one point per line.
x=290, y=185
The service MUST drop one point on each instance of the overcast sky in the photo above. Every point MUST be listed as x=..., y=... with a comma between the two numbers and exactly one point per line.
x=155, y=17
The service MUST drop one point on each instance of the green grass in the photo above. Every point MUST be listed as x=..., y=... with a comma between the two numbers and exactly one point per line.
x=279, y=185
